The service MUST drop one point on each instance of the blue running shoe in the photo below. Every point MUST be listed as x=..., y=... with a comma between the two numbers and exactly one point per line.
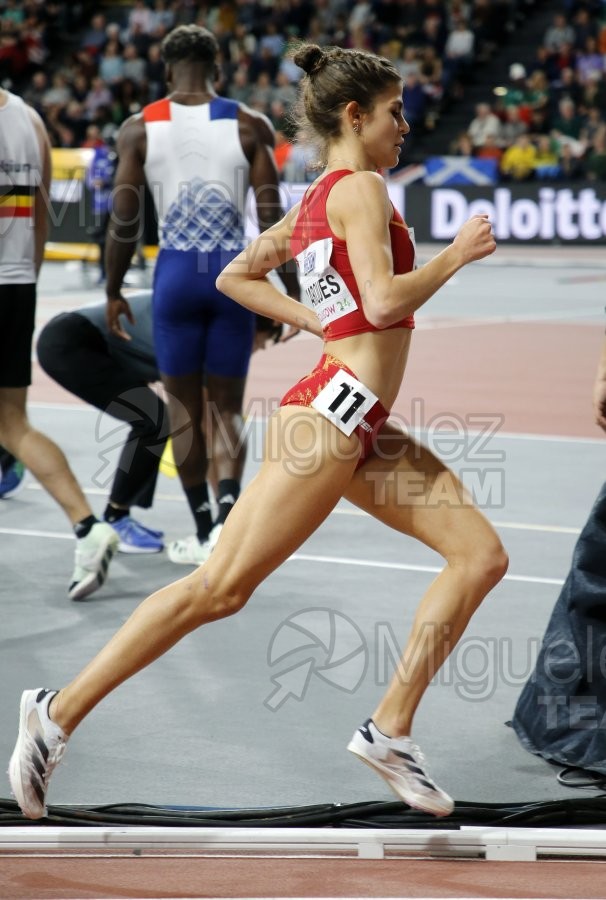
x=11, y=480
x=135, y=537
x=152, y=531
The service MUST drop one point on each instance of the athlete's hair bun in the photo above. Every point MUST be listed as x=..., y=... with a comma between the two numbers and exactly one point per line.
x=310, y=58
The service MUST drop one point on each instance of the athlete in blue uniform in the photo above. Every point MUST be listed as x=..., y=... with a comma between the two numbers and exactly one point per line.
x=99, y=181
x=198, y=153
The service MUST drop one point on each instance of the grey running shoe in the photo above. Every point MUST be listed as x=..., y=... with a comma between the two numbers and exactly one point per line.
x=400, y=762
x=40, y=746
x=93, y=556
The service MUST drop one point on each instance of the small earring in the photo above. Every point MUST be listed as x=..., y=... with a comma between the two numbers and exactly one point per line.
x=356, y=128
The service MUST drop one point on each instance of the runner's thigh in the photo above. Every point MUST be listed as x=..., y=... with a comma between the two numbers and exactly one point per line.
x=308, y=465
x=408, y=488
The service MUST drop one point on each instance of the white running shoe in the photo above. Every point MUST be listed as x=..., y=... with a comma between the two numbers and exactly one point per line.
x=400, y=762
x=93, y=556
x=40, y=746
x=190, y=552
x=213, y=537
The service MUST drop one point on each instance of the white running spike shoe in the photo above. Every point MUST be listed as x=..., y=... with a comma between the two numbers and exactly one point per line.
x=39, y=748
x=400, y=762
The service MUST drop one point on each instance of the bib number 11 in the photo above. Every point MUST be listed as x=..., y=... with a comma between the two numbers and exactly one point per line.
x=344, y=401
x=343, y=409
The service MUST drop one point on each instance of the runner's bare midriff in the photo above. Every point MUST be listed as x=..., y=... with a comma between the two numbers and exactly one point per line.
x=378, y=359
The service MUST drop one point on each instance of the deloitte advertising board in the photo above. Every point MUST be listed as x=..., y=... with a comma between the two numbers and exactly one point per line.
x=519, y=213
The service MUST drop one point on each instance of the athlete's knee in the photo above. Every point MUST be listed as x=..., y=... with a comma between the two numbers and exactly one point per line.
x=486, y=562
x=493, y=563
x=229, y=600
x=213, y=596
x=225, y=404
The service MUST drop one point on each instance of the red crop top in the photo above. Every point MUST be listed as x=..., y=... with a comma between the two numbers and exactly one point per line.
x=325, y=273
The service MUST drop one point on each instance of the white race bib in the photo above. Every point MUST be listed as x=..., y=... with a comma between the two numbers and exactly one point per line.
x=344, y=402
x=322, y=288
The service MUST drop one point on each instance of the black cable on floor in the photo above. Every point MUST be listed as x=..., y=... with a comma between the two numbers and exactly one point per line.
x=579, y=812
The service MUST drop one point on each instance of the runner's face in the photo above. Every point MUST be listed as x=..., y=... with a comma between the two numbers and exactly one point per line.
x=384, y=128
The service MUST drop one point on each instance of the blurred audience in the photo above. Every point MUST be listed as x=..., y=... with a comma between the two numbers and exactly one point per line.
x=107, y=64
x=549, y=121
x=485, y=124
x=519, y=160
x=81, y=69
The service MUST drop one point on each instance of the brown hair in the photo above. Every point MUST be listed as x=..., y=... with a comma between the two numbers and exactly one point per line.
x=334, y=77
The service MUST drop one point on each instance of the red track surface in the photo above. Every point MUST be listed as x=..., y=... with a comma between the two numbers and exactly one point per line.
x=154, y=877
x=538, y=376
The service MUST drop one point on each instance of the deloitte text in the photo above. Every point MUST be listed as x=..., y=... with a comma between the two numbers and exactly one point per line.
x=555, y=214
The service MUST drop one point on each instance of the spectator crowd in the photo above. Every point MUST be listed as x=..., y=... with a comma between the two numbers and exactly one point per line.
x=549, y=121
x=87, y=72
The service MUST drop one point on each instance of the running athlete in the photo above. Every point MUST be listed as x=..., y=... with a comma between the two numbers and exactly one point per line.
x=24, y=191
x=356, y=259
x=198, y=154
